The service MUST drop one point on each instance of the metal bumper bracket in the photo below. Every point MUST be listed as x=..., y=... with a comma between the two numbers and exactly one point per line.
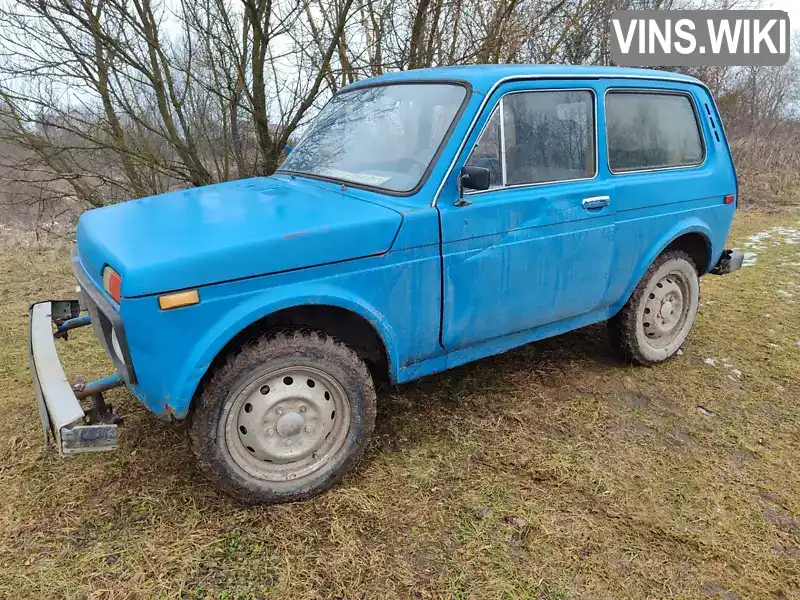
x=60, y=411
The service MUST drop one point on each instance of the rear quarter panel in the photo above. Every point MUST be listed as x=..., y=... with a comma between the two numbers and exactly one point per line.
x=656, y=207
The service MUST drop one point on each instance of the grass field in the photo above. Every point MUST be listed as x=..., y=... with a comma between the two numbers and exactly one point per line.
x=550, y=472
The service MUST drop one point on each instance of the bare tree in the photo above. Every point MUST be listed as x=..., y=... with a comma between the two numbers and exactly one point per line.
x=122, y=98
x=104, y=100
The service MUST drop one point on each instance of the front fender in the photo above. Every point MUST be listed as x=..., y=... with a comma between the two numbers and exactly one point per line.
x=688, y=225
x=261, y=305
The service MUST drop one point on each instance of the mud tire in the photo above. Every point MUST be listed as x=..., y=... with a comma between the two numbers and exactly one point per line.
x=284, y=349
x=627, y=330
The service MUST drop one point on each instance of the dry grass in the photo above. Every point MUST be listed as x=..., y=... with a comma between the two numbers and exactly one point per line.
x=769, y=190
x=768, y=165
x=550, y=472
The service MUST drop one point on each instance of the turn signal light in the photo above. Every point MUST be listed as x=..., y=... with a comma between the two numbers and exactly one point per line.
x=112, y=283
x=730, y=199
x=178, y=299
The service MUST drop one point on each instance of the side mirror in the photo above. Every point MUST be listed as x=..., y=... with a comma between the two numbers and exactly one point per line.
x=475, y=178
x=471, y=178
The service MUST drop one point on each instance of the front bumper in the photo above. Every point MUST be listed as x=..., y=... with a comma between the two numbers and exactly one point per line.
x=729, y=261
x=60, y=411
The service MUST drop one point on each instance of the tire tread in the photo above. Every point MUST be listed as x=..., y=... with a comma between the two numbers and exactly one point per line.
x=622, y=326
x=209, y=401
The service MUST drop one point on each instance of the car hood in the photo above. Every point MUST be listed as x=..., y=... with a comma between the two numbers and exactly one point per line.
x=230, y=231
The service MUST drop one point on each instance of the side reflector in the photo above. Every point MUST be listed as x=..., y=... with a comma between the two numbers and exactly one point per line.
x=730, y=199
x=178, y=299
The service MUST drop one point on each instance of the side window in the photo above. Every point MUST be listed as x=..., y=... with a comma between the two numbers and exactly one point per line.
x=651, y=131
x=538, y=137
x=487, y=152
x=549, y=136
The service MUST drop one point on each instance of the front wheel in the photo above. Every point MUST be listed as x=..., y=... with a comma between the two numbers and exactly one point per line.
x=660, y=313
x=284, y=419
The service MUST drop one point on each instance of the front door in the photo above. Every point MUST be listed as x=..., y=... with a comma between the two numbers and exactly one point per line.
x=537, y=246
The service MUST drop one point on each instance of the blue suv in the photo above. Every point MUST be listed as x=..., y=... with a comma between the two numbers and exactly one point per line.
x=425, y=219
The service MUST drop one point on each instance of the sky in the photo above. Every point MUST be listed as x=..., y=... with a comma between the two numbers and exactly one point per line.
x=792, y=7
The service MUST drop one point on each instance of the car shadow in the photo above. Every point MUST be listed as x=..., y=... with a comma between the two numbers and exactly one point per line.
x=550, y=363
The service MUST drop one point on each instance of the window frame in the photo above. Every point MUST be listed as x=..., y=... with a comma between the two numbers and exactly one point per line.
x=651, y=92
x=499, y=106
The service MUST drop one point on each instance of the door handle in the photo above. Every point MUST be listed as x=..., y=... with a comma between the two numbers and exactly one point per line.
x=595, y=202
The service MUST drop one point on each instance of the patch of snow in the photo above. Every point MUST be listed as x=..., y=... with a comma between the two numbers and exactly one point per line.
x=730, y=367
x=761, y=241
x=710, y=361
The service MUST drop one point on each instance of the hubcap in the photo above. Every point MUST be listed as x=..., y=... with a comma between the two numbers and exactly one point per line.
x=288, y=423
x=665, y=310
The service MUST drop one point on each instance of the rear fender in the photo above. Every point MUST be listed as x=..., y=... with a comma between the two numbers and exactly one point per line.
x=691, y=225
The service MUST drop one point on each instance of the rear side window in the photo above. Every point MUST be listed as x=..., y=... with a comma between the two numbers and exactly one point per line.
x=651, y=130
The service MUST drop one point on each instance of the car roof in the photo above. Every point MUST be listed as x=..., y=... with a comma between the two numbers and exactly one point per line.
x=483, y=77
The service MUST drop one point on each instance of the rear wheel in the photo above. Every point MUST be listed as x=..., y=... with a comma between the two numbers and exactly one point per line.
x=284, y=419
x=660, y=313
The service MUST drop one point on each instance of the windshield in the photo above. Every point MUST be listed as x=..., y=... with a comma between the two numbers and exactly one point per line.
x=381, y=136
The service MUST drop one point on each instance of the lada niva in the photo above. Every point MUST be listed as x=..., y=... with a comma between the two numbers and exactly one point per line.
x=424, y=220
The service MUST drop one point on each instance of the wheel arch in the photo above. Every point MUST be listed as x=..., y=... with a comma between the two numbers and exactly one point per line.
x=697, y=245
x=693, y=237
x=332, y=311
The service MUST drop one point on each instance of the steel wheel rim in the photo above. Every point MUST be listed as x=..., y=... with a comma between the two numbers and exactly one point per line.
x=287, y=424
x=666, y=309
